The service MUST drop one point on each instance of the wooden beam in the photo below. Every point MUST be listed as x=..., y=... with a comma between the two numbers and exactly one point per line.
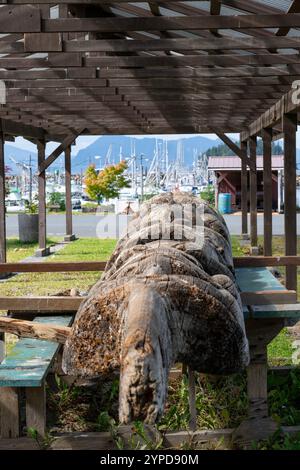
x=68, y=182
x=240, y=152
x=59, y=150
x=41, y=304
x=267, y=179
x=253, y=193
x=117, y=24
x=244, y=192
x=30, y=329
x=9, y=412
x=284, y=106
x=264, y=261
x=290, y=209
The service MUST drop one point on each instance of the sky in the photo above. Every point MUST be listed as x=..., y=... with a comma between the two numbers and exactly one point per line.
x=85, y=141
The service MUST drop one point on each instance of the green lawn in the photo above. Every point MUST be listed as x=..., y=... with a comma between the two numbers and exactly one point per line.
x=17, y=251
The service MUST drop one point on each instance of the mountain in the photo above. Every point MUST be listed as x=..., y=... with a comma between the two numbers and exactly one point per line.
x=144, y=146
x=100, y=148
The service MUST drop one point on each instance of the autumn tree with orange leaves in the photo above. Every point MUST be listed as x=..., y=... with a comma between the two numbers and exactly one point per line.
x=107, y=183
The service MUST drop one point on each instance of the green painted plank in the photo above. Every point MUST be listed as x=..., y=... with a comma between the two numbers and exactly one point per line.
x=256, y=279
x=29, y=361
x=276, y=311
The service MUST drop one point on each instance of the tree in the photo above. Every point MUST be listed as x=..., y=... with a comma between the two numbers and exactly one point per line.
x=107, y=183
x=223, y=151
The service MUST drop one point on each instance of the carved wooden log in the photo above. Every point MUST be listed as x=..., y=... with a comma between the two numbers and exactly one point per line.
x=166, y=295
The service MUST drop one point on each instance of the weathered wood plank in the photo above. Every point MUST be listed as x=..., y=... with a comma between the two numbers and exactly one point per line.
x=37, y=304
x=244, y=191
x=267, y=180
x=58, y=151
x=2, y=203
x=43, y=42
x=69, y=222
x=42, y=197
x=290, y=206
x=268, y=297
x=178, y=44
x=19, y=19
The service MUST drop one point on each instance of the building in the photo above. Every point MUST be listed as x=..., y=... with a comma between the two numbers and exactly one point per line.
x=225, y=172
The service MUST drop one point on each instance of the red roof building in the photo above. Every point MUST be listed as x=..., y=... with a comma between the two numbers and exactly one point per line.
x=225, y=172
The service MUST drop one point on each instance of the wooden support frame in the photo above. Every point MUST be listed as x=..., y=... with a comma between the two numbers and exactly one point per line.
x=290, y=214
x=59, y=150
x=267, y=179
x=43, y=250
x=253, y=193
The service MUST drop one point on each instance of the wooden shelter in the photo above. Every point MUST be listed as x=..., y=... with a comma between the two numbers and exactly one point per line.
x=114, y=67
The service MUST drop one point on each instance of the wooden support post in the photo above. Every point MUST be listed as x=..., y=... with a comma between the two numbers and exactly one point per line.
x=192, y=400
x=253, y=196
x=244, y=194
x=2, y=203
x=9, y=412
x=267, y=177
x=290, y=216
x=42, y=250
x=36, y=409
x=69, y=223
